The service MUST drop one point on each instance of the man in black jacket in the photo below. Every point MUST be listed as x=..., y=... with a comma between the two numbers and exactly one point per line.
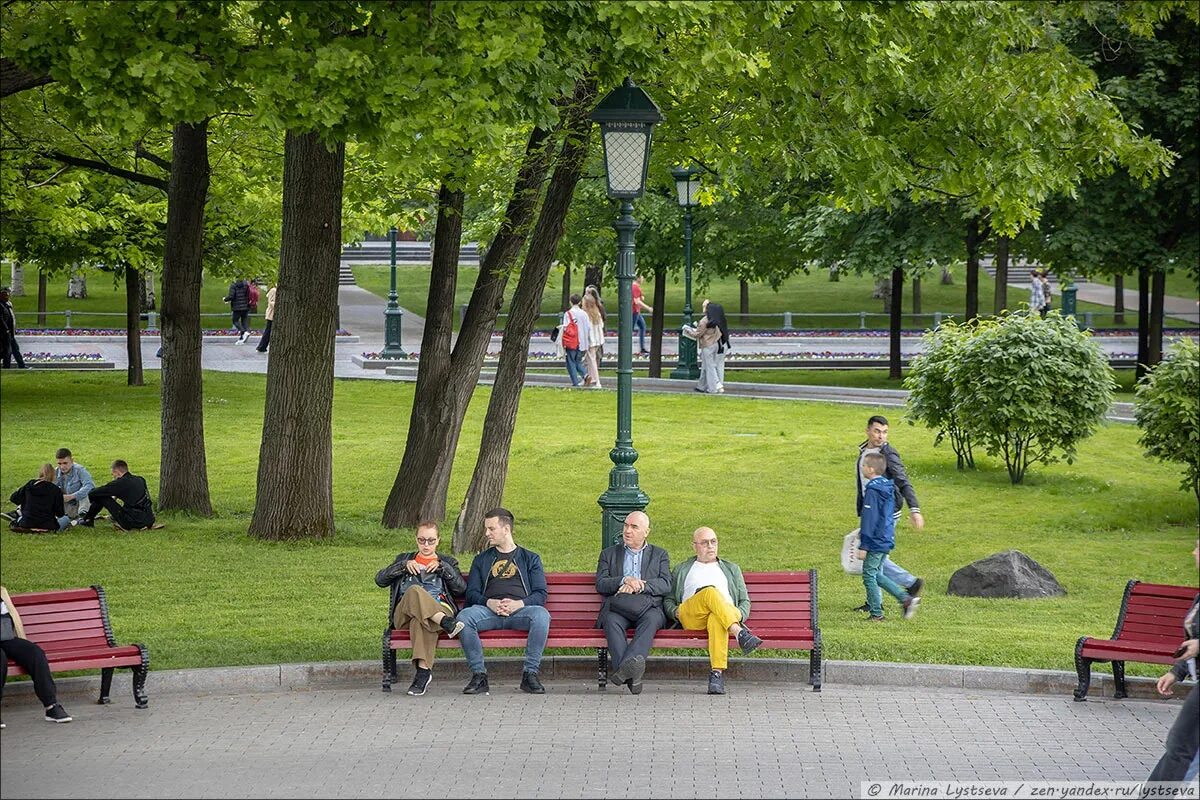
x=136, y=509
x=423, y=585
x=877, y=442
x=634, y=577
x=8, y=329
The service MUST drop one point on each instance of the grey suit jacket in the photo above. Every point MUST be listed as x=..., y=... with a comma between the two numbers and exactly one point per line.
x=610, y=573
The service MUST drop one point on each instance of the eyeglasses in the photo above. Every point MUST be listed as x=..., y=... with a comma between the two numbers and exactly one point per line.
x=706, y=543
x=423, y=540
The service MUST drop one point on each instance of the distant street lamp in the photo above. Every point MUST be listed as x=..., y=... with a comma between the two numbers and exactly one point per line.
x=394, y=315
x=687, y=186
x=627, y=117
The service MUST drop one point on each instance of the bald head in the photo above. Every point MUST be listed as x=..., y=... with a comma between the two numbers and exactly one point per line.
x=704, y=540
x=637, y=528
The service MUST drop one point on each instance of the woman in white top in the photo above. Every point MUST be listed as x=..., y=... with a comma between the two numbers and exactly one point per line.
x=591, y=306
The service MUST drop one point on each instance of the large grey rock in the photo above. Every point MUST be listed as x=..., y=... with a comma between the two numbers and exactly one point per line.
x=1007, y=574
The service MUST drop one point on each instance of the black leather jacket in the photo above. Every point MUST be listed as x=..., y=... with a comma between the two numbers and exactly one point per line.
x=393, y=575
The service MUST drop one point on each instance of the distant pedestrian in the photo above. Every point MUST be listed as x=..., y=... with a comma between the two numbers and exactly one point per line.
x=8, y=319
x=1037, y=297
x=265, y=341
x=1047, y=293
x=712, y=341
x=238, y=298
x=639, y=321
x=595, y=315
x=575, y=333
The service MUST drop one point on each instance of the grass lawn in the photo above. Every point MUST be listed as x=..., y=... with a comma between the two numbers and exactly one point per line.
x=1178, y=284
x=773, y=478
x=104, y=307
x=810, y=294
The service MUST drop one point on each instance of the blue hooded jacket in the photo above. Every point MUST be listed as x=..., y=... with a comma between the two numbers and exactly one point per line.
x=877, y=527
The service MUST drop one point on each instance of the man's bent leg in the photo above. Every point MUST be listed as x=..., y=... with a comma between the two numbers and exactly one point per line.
x=615, y=626
x=648, y=624
x=896, y=573
x=536, y=620
x=476, y=619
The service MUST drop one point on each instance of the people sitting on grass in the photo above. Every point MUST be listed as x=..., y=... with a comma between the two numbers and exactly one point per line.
x=75, y=482
x=125, y=497
x=428, y=581
x=39, y=504
x=877, y=536
x=31, y=658
x=633, y=577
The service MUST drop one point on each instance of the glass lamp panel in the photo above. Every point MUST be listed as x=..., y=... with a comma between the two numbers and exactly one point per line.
x=625, y=157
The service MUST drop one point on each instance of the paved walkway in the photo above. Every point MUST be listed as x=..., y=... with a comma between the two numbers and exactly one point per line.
x=671, y=741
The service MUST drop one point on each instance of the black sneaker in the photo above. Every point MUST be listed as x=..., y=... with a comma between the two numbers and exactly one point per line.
x=421, y=682
x=748, y=641
x=478, y=684
x=716, y=682
x=451, y=626
x=864, y=608
x=56, y=713
x=531, y=684
x=917, y=587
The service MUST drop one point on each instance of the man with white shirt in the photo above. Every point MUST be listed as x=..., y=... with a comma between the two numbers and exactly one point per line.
x=709, y=593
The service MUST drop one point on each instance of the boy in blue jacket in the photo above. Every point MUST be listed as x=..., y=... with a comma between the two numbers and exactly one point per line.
x=877, y=538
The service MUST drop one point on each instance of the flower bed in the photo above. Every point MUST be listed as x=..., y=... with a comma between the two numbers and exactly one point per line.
x=121, y=332
x=59, y=358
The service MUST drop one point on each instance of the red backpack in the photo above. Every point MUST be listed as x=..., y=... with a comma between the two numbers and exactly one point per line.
x=570, y=333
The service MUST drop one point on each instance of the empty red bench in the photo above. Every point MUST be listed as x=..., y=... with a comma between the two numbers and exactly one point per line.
x=783, y=613
x=73, y=627
x=1149, y=629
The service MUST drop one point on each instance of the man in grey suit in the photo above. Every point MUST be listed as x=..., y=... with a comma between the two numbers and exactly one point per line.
x=634, y=577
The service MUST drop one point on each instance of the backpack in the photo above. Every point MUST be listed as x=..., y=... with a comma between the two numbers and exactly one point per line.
x=252, y=295
x=570, y=333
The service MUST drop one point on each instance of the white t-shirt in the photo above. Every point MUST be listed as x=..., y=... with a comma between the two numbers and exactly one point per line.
x=701, y=575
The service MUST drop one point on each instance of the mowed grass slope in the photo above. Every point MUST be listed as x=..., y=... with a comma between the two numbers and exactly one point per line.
x=775, y=479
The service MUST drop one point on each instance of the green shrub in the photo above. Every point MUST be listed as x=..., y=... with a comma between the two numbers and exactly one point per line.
x=931, y=389
x=1167, y=407
x=1030, y=389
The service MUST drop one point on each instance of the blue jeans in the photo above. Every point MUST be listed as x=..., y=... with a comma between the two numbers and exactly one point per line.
x=639, y=325
x=897, y=573
x=535, y=619
x=874, y=579
x=575, y=366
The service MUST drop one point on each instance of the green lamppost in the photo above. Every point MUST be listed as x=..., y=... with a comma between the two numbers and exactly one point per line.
x=393, y=316
x=627, y=117
x=687, y=185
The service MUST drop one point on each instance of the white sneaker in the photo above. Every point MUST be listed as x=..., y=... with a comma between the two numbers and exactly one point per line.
x=910, y=608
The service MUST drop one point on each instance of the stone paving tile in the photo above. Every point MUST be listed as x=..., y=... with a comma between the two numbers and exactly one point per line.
x=761, y=741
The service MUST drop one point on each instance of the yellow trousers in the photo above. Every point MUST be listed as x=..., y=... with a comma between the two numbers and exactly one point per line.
x=708, y=610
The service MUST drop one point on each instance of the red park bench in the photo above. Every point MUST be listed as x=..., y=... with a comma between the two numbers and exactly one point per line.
x=72, y=626
x=783, y=614
x=1149, y=629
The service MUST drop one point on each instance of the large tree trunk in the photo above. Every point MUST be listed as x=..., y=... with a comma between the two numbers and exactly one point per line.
x=295, y=462
x=1143, y=350
x=1119, y=299
x=1001, y=299
x=491, y=468
x=1158, y=290
x=133, y=328
x=897, y=309
x=658, y=323
x=17, y=285
x=973, y=240
x=422, y=482
x=183, y=471
x=592, y=276
x=744, y=300
x=566, y=289
x=43, y=287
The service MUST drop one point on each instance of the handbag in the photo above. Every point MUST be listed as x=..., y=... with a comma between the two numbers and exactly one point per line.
x=554, y=334
x=631, y=606
x=850, y=562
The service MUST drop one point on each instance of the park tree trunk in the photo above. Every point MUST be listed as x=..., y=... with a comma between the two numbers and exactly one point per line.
x=18, y=279
x=1143, y=350
x=295, y=462
x=916, y=295
x=1158, y=290
x=658, y=324
x=592, y=276
x=43, y=286
x=1119, y=299
x=183, y=470
x=133, y=328
x=744, y=300
x=894, y=329
x=1001, y=300
x=566, y=289
x=491, y=467
x=973, y=240
x=423, y=480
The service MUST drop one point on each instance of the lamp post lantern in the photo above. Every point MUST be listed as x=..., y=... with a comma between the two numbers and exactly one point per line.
x=627, y=117
x=393, y=316
x=687, y=186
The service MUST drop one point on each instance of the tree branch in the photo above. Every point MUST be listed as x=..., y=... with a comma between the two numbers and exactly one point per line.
x=109, y=169
x=15, y=79
x=157, y=161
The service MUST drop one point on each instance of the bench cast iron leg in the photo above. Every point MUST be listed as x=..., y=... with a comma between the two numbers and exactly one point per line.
x=389, y=661
x=1119, y=679
x=814, y=665
x=602, y=667
x=1083, y=668
x=105, y=686
x=140, y=700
